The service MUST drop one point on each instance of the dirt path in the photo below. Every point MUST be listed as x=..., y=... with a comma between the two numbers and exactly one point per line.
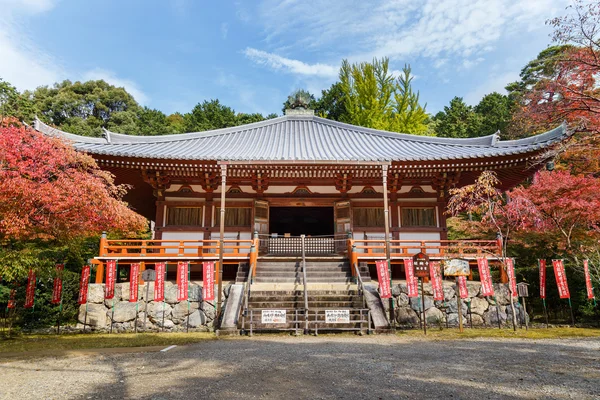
x=326, y=367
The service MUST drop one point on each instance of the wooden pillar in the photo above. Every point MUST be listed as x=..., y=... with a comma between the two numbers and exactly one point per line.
x=394, y=213
x=221, y=238
x=386, y=223
x=142, y=269
x=100, y=272
x=208, y=213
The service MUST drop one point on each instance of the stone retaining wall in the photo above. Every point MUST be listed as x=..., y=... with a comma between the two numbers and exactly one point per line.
x=483, y=310
x=99, y=311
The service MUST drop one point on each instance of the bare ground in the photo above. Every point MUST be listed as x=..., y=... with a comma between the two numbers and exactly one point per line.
x=324, y=367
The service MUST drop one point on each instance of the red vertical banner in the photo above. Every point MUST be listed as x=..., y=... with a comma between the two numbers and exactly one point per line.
x=12, y=302
x=111, y=278
x=435, y=274
x=57, y=284
x=30, y=289
x=588, y=280
x=134, y=276
x=411, y=280
x=182, y=281
x=208, y=280
x=512, y=279
x=487, y=288
x=561, y=279
x=159, y=283
x=462, y=287
x=383, y=276
x=83, y=284
x=542, y=264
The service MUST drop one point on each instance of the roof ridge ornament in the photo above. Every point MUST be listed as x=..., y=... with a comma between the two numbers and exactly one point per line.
x=106, y=135
x=495, y=138
x=299, y=104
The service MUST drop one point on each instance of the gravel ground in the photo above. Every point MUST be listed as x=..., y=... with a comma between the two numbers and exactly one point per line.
x=324, y=367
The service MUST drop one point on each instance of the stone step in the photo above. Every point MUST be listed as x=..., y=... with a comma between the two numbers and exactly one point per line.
x=299, y=280
x=352, y=291
x=320, y=274
x=300, y=304
x=296, y=297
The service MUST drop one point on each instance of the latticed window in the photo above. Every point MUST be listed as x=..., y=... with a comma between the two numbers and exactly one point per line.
x=368, y=217
x=418, y=216
x=235, y=216
x=184, y=216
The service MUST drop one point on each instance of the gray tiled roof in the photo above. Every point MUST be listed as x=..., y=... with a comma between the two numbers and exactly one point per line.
x=303, y=138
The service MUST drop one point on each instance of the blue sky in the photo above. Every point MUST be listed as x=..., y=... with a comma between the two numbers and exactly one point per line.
x=251, y=54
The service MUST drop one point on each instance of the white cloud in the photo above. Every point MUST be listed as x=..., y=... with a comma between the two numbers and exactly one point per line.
x=403, y=28
x=495, y=83
x=23, y=64
x=110, y=77
x=280, y=63
x=26, y=6
x=26, y=66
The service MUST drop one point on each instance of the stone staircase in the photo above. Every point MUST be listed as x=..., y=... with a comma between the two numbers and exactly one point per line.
x=278, y=285
x=289, y=270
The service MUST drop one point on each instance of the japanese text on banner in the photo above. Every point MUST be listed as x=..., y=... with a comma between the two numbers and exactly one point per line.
x=134, y=274
x=561, y=279
x=83, y=285
x=159, y=283
x=487, y=288
x=512, y=279
x=462, y=287
x=435, y=274
x=57, y=284
x=111, y=276
x=542, y=264
x=182, y=281
x=208, y=280
x=30, y=290
x=384, y=279
x=588, y=280
x=411, y=280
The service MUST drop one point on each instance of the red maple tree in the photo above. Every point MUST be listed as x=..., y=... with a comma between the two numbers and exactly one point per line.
x=51, y=192
x=562, y=205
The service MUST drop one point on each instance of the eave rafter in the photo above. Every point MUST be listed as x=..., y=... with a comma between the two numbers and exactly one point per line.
x=158, y=180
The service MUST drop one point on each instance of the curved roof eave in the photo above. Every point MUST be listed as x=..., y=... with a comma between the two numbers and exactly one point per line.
x=309, y=138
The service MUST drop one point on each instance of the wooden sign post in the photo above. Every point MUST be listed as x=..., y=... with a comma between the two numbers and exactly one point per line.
x=421, y=265
x=457, y=267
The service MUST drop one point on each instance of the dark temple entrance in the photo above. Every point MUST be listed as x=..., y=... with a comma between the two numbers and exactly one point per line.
x=310, y=221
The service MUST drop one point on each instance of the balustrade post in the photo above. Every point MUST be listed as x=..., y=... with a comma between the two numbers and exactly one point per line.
x=103, y=245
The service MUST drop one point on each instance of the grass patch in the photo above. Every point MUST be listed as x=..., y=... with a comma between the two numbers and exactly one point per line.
x=24, y=343
x=532, y=333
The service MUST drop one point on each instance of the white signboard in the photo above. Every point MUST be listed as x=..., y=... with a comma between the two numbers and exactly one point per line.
x=456, y=267
x=273, y=317
x=337, y=316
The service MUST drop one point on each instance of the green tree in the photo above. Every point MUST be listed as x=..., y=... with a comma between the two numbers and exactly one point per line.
x=458, y=120
x=84, y=108
x=13, y=104
x=177, y=122
x=331, y=103
x=209, y=115
x=496, y=112
x=375, y=99
x=543, y=67
x=243, y=118
x=154, y=122
x=409, y=115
